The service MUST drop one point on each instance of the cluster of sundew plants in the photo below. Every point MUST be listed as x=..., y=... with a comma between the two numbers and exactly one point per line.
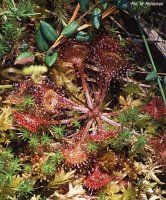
x=83, y=130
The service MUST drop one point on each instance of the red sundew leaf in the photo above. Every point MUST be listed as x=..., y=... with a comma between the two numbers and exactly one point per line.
x=105, y=43
x=101, y=136
x=107, y=55
x=97, y=179
x=28, y=121
x=74, y=155
x=74, y=53
x=155, y=108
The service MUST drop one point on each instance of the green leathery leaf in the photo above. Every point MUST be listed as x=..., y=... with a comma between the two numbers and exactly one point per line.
x=152, y=76
x=104, y=3
x=48, y=31
x=70, y=29
x=41, y=42
x=122, y=4
x=84, y=5
x=83, y=36
x=24, y=55
x=96, y=17
x=165, y=80
x=50, y=58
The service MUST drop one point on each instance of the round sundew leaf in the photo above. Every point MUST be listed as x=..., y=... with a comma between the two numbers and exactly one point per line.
x=50, y=58
x=70, y=29
x=96, y=17
x=152, y=76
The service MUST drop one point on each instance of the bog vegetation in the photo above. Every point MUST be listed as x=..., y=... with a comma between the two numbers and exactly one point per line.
x=82, y=104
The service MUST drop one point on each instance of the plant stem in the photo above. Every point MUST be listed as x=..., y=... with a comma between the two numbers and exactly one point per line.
x=151, y=60
x=109, y=121
x=86, y=130
x=85, y=88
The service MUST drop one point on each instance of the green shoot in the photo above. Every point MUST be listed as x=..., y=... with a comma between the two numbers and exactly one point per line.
x=34, y=141
x=139, y=144
x=48, y=168
x=28, y=102
x=123, y=140
x=25, y=134
x=92, y=147
x=45, y=139
x=25, y=188
x=56, y=158
x=58, y=131
x=76, y=124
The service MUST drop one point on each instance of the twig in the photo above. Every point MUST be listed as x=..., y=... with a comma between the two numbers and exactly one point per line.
x=74, y=14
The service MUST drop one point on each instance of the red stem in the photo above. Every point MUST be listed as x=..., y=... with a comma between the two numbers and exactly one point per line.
x=85, y=88
x=65, y=121
x=109, y=121
x=70, y=104
x=99, y=124
x=86, y=130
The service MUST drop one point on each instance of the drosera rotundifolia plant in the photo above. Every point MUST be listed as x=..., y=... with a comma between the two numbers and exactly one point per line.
x=82, y=107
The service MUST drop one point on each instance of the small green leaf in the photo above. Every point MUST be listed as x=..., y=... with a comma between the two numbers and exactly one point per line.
x=83, y=36
x=24, y=55
x=50, y=58
x=165, y=80
x=122, y=4
x=104, y=3
x=96, y=17
x=48, y=31
x=84, y=5
x=70, y=29
x=41, y=42
x=152, y=76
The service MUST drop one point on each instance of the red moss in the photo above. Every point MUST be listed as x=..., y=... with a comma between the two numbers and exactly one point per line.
x=155, y=108
x=159, y=146
x=97, y=179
